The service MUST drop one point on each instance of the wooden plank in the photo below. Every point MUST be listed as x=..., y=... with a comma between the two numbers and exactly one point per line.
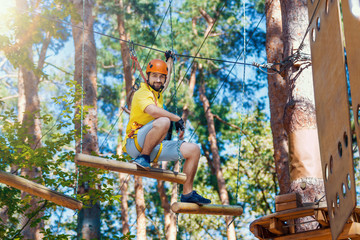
x=130, y=168
x=286, y=206
x=211, y=209
x=277, y=227
x=332, y=109
x=321, y=217
x=39, y=190
x=351, y=230
x=287, y=215
x=287, y=198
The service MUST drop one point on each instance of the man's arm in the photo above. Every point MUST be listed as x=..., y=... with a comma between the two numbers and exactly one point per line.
x=157, y=112
x=169, y=63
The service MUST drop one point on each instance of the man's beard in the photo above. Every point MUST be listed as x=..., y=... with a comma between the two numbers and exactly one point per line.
x=157, y=88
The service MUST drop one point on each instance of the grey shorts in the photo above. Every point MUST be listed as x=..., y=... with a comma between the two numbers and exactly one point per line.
x=169, y=150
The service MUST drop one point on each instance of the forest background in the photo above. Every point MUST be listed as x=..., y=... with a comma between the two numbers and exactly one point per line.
x=43, y=64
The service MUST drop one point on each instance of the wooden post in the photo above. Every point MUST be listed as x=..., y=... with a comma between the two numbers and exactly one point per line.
x=130, y=168
x=192, y=208
x=39, y=190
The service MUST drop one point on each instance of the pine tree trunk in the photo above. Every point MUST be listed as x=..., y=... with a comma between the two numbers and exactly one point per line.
x=169, y=216
x=125, y=51
x=223, y=193
x=192, y=83
x=277, y=94
x=123, y=178
x=33, y=124
x=300, y=118
x=140, y=208
x=128, y=78
x=29, y=115
x=89, y=217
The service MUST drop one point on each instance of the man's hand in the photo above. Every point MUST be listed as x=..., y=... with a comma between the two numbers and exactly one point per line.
x=169, y=54
x=179, y=125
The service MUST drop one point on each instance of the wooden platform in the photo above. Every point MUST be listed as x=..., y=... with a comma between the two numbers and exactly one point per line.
x=130, y=168
x=211, y=209
x=280, y=226
x=39, y=190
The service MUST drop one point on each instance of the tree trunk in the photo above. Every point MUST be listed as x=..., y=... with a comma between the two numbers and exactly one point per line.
x=140, y=208
x=169, y=216
x=29, y=115
x=123, y=177
x=277, y=94
x=300, y=118
x=128, y=78
x=89, y=217
x=223, y=193
x=190, y=91
x=125, y=51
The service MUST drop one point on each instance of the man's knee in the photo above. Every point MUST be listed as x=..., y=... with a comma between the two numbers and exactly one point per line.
x=162, y=122
x=190, y=149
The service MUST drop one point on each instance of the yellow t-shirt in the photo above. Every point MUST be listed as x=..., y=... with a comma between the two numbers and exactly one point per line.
x=142, y=98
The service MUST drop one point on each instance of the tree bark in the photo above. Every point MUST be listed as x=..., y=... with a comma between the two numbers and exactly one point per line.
x=128, y=78
x=277, y=90
x=140, y=208
x=89, y=217
x=190, y=91
x=216, y=165
x=125, y=51
x=300, y=118
x=169, y=216
x=123, y=177
x=29, y=115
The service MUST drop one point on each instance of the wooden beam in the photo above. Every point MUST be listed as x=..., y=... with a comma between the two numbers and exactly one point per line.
x=286, y=206
x=212, y=209
x=39, y=190
x=351, y=230
x=277, y=227
x=130, y=168
x=289, y=197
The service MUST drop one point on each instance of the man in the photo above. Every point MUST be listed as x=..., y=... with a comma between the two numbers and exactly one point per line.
x=149, y=124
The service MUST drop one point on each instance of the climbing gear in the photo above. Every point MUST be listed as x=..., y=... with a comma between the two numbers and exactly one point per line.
x=169, y=54
x=143, y=161
x=194, y=197
x=135, y=64
x=179, y=125
x=157, y=66
x=135, y=127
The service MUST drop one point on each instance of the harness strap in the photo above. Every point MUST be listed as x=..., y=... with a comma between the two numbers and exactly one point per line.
x=137, y=65
x=139, y=148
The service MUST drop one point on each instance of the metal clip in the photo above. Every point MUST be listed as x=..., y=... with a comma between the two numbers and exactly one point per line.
x=132, y=48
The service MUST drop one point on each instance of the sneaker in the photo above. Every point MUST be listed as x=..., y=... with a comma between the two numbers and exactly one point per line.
x=143, y=162
x=194, y=197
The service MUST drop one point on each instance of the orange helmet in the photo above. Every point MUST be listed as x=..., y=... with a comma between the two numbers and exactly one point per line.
x=157, y=66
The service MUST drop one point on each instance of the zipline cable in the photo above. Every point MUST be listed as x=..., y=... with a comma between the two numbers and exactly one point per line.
x=144, y=46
